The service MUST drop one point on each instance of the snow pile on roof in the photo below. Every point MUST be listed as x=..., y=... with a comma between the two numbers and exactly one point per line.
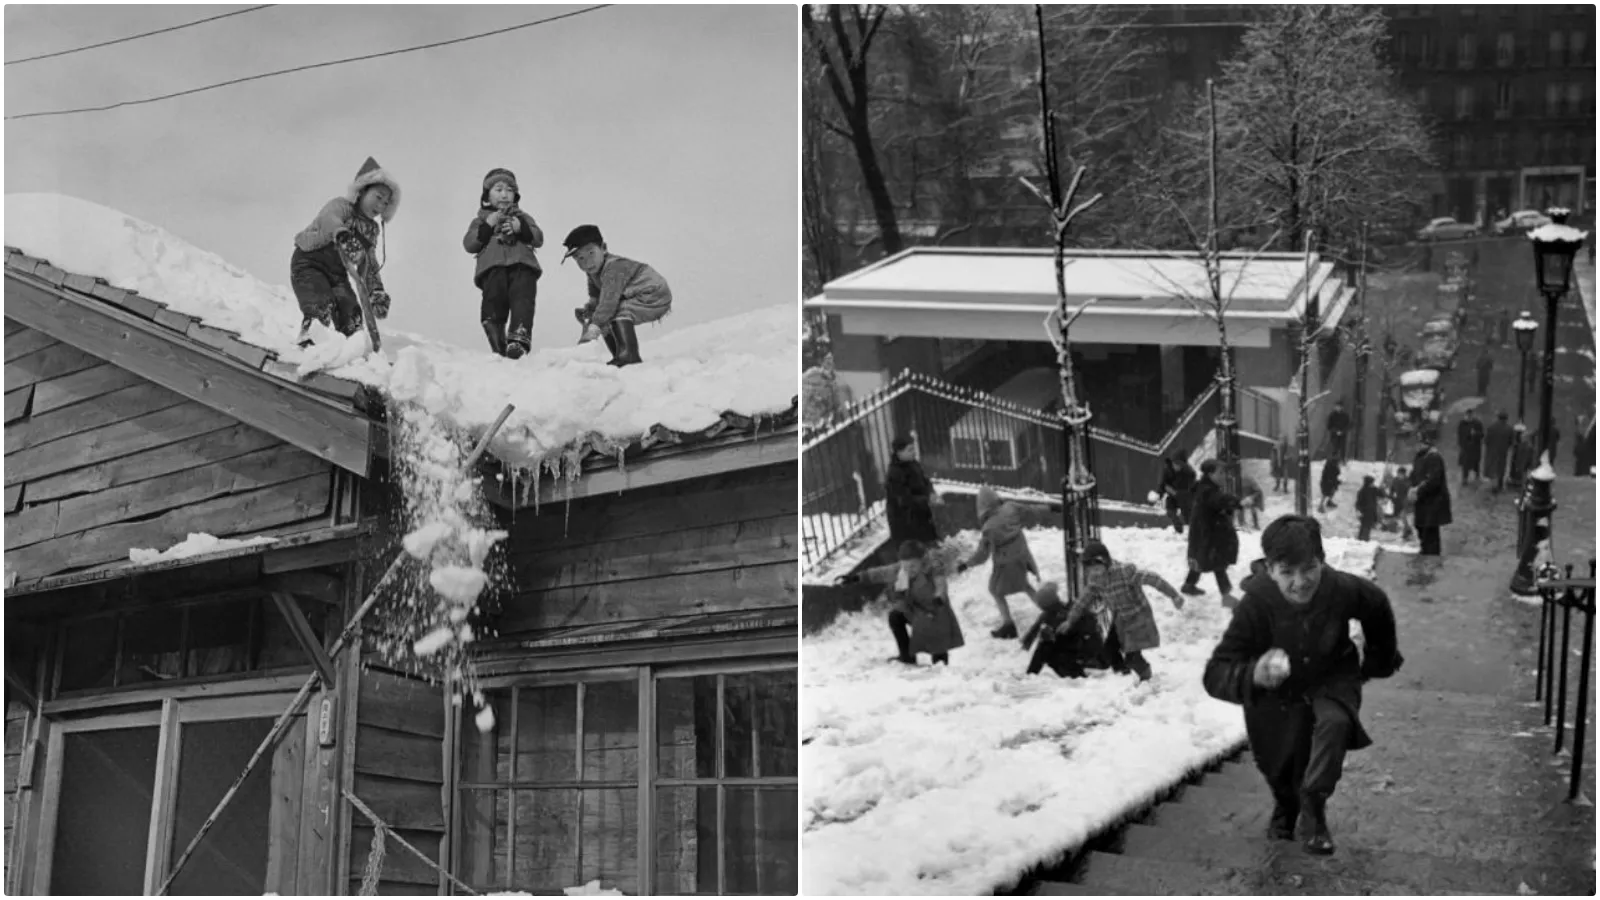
x=1034, y=765
x=193, y=545
x=745, y=363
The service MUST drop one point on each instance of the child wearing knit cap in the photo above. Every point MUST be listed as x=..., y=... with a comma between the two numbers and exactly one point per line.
x=504, y=239
x=1001, y=524
x=1120, y=588
x=317, y=271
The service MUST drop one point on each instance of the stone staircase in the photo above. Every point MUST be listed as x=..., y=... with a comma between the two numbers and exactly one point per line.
x=1450, y=801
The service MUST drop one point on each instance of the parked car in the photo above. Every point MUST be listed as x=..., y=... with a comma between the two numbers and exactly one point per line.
x=1520, y=221
x=1446, y=228
x=1437, y=343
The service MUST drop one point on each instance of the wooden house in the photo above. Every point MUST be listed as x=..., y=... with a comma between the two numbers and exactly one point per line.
x=644, y=671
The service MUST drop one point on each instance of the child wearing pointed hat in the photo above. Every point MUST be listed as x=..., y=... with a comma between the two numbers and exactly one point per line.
x=317, y=272
x=504, y=239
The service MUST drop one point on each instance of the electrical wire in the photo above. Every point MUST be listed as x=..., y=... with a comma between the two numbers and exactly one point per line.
x=135, y=37
x=320, y=65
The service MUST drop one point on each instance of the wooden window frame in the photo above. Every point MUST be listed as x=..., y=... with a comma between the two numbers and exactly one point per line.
x=647, y=676
x=169, y=718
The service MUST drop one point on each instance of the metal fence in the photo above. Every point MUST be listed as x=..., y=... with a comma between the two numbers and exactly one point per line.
x=1559, y=598
x=962, y=435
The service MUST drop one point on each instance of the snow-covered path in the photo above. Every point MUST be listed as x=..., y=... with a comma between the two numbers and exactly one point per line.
x=957, y=780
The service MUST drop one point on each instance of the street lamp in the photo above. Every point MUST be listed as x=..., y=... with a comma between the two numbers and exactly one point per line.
x=1524, y=326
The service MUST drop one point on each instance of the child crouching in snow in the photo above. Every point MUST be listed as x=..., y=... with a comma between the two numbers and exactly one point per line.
x=1288, y=659
x=504, y=239
x=919, y=601
x=316, y=271
x=1002, y=538
x=1069, y=649
x=1120, y=587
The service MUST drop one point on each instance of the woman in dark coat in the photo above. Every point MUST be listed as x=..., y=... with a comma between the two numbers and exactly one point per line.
x=1469, y=445
x=910, y=497
x=1497, y=440
x=1213, y=542
x=1430, y=494
x=1287, y=658
x=919, y=603
x=1177, y=485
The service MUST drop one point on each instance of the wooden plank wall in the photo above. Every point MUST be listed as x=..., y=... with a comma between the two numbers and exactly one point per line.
x=15, y=736
x=723, y=543
x=399, y=773
x=98, y=460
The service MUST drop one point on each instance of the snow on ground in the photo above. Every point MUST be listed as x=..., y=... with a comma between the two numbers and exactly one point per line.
x=193, y=545
x=1339, y=520
x=745, y=363
x=957, y=780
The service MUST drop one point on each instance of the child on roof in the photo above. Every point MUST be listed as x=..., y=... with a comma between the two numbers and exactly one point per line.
x=623, y=293
x=504, y=239
x=1002, y=538
x=316, y=271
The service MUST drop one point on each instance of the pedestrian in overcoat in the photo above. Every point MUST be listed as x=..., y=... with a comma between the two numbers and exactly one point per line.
x=1177, y=485
x=1497, y=440
x=1367, y=507
x=1469, y=444
x=1281, y=463
x=1521, y=455
x=1430, y=494
x=920, y=617
x=1329, y=484
x=910, y=496
x=1213, y=542
x=1288, y=659
x=1002, y=538
x=1120, y=586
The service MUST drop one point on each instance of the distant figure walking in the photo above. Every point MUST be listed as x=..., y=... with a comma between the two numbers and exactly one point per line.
x=1338, y=428
x=1430, y=494
x=1485, y=371
x=1329, y=484
x=1281, y=463
x=1177, y=485
x=1213, y=542
x=1469, y=445
x=1504, y=334
x=1497, y=440
x=910, y=496
x=1399, y=490
x=1367, y=507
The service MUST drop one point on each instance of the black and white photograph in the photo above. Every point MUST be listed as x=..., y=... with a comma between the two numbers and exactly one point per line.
x=1197, y=453
x=402, y=436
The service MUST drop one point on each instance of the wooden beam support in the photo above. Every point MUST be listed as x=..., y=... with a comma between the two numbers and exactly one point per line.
x=300, y=417
x=305, y=636
x=699, y=462
x=312, y=585
x=16, y=686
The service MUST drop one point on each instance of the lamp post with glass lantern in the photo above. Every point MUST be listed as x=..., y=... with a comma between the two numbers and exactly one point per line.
x=1524, y=327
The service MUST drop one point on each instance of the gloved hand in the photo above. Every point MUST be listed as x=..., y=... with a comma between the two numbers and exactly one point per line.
x=960, y=567
x=581, y=314
x=591, y=332
x=380, y=304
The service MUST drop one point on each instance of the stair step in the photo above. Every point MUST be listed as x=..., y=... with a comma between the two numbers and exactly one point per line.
x=1115, y=873
x=1069, y=889
x=1411, y=873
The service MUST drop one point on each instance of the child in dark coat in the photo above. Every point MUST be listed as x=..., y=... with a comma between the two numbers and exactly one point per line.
x=504, y=239
x=1119, y=587
x=1367, y=507
x=920, y=616
x=1071, y=650
x=1330, y=483
x=1013, y=562
x=316, y=270
x=1287, y=658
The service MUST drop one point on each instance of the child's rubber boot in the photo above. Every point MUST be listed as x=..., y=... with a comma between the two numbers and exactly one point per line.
x=941, y=658
x=627, y=343
x=1319, y=840
x=1005, y=632
x=497, y=338
x=1285, y=811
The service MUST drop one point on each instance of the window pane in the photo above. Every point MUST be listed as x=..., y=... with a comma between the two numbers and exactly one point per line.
x=547, y=726
x=760, y=722
x=232, y=858
x=90, y=657
x=103, y=812
x=219, y=638
x=761, y=840
x=545, y=851
x=686, y=727
x=611, y=731
x=486, y=756
x=610, y=849
x=151, y=641
x=485, y=816
x=279, y=649
x=686, y=840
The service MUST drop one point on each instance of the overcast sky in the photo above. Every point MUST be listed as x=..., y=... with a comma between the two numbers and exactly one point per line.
x=672, y=128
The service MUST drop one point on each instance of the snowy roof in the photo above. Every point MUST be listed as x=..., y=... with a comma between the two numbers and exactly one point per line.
x=708, y=380
x=1270, y=285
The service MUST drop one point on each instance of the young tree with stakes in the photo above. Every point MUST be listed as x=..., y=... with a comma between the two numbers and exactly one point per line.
x=1080, y=500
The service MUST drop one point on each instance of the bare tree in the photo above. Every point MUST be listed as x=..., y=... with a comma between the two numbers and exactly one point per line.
x=1311, y=333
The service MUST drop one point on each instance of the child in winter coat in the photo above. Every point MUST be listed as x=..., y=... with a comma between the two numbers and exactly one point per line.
x=1330, y=483
x=1252, y=500
x=1013, y=562
x=1287, y=658
x=1070, y=649
x=1120, y=587
x=622, y=294
x=1400, y=496
x=316, y=270
x=504, y=239
x=920, y=616
x=1367, y=507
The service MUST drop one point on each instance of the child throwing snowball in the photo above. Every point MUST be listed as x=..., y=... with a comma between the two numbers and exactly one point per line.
x=1003, y=539
x=920, y=616
x=1288, y=659
x=1120, y=587
x=316, y=271
x=504, y=239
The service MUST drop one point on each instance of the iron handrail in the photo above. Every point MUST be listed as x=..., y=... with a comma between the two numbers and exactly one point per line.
x=1565, y=594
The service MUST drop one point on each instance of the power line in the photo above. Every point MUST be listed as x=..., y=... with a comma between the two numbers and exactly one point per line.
x=135, y=37
x=320, y=65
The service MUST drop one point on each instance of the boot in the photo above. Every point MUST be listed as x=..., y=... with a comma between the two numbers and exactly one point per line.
x=1318, y=840
x=1005, y=632
x=904, y=660
x=941, y=658
x=1285, y=810
x=611, y=344
x=497, y=338
x=627, y=350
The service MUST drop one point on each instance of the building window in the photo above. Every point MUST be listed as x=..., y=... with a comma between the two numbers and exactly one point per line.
x=1558, y=48
x=1578, y=47
x=1505, y=49
x=551, y=797
x=1425, y=58
x=1467, y=51
x=1502, y=148
x=1402, y=48
x=1574, y=98
x=1547, y=148
x=1461, y=151
x=1552, y=99
x=1569, y=147
x=1463, y=101
x=1502, y=98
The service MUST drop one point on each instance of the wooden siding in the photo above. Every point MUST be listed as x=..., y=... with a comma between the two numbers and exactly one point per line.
x=15, y=738
x=98, y=460
x=715, y=544
x=399, y=774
